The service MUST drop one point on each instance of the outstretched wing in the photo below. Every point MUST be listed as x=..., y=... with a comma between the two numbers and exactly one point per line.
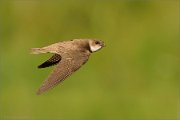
x=52, y=61
x=69, y=64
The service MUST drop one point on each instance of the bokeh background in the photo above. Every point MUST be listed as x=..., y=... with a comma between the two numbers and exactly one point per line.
x=134, y=77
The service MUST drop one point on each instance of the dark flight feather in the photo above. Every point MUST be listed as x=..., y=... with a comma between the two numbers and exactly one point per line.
x=52, y=61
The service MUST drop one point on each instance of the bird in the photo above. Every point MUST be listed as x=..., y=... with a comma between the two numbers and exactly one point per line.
x=68, y=56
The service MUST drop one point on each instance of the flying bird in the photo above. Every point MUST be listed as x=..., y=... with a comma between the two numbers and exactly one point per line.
x=68, y=56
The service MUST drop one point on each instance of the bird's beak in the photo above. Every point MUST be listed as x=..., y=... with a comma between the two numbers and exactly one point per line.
x=103, y=45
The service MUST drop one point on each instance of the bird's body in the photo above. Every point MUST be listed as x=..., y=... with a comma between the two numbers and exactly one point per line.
x=68, y=57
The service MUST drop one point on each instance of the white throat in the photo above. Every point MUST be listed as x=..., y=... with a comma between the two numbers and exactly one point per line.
x=95, y=48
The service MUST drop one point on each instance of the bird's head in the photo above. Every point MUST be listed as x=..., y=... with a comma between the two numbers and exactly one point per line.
x=96, y=45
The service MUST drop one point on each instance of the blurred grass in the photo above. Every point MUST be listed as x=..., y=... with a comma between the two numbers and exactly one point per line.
x=134, y=77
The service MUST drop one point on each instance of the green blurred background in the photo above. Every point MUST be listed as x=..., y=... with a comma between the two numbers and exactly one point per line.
x=134, y=77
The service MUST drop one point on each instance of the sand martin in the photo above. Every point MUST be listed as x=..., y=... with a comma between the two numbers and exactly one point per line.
x=68, y=56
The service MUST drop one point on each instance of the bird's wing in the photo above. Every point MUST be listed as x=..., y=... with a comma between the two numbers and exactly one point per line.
x=55, y=59
x=69, y=64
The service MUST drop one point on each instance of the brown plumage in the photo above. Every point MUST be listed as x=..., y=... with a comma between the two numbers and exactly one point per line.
x=68, y=57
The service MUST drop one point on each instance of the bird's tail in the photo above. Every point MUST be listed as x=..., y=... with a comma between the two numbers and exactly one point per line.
x=37, y=50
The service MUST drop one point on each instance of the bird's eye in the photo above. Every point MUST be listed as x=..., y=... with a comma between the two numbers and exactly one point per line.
x=97, y=42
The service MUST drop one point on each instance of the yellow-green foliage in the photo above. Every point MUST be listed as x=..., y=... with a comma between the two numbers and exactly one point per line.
x=134, y=77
